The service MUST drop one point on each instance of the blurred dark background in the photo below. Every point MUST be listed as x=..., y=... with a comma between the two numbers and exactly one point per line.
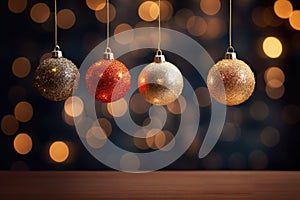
x=262, y=133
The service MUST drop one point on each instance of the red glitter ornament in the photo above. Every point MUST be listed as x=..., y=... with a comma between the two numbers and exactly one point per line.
x=108, y=80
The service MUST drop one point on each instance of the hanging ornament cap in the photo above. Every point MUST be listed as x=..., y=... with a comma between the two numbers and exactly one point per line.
x=56, y=53
x=159, y=57
x=108, y=55
x=230, y=53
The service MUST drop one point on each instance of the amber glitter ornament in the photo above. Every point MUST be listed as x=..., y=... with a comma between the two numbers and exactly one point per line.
x=108, y=79
x=56, y=78
x=160, y=82
x=233, y=75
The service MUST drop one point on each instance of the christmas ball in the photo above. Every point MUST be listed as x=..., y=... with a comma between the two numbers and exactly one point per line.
x=108, y=80
x=233, y=75
x=160, y=83
x=56, y=78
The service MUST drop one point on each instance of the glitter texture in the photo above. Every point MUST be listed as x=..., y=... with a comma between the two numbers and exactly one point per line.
x=108, y=80
x=160, y=83
x=237, y=79
x=56, y=78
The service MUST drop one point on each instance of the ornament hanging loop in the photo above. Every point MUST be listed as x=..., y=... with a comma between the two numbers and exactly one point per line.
x=159, y=57
x=230, y=53
x=56, y=53
x=108, y=55
x=230, y=49
x=159, y=52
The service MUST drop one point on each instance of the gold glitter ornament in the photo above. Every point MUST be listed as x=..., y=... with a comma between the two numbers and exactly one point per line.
x=56, y=78
x=233, y=75
x=160, y=82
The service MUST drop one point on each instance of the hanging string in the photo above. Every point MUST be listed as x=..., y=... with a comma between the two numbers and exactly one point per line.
x=159, y=30
x=55, y=23
x=107, y=26
x=230, y=48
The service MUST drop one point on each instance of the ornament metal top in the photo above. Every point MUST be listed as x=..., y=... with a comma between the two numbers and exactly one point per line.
x=56, y=78
x=160, y=82
x=233, y=75
x=108, y=79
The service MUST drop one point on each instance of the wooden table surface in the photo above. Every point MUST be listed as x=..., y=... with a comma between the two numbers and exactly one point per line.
x=157, y=185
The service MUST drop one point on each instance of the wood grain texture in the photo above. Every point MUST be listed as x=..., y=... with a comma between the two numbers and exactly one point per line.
x=157, y=185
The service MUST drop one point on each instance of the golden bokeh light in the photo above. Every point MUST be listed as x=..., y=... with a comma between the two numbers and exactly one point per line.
x=17, y=6
x=104, y=124
x=182, y=17
x=167, y=10
x=59, y=151
x=157, y=139
x=258, y=16
x=66, y=19
x=117, y=108
x=283, y=8
x=178, y=106
x=40, y=13
x=21, y=67
x=160, y=140
x=196, y=25
x=96, y=137
x=274, y=77
x=104, y=111
x=139, y=139
x=272, y=47
x=96, y=4
x=274, y=73
x=270, y=136
x=269, y=17
x=69, y=119
x=154, y=121
x=101, y=14
x=215, y=28
x=130, y=162
x=202, y=97
x=148, y=11
x=230, y=132
x=295, y=20
x=275, y=93
x=9, y=125
x=74, y=106
x=210, y=7
x=23, y=111
x=169, y=141
x=124, y=38
x=150, y=137
x=23, y=143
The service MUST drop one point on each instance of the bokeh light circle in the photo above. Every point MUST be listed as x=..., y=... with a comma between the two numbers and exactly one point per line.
x=295, y=20
x=40, y=12
x=59, y=151
x=272, y=47
x=283, y=8
x=23, y=143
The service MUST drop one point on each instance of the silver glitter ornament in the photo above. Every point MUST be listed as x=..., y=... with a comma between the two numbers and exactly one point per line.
x=233, y=75
x=160, y=82
x=56, y=78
